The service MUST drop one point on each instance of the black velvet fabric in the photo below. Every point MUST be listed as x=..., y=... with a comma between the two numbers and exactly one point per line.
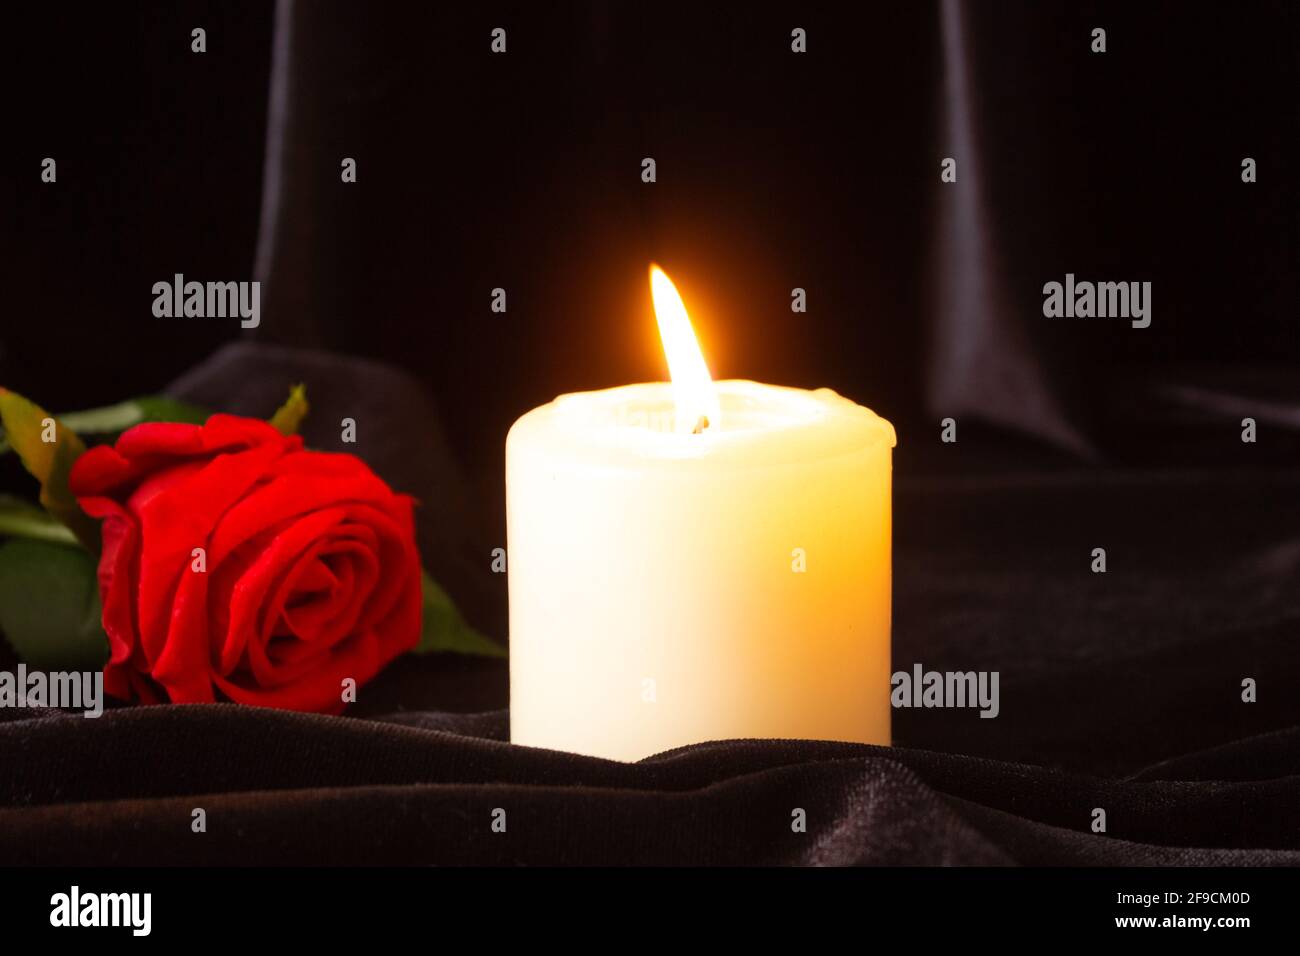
x=421, y=788
x=1119, y=691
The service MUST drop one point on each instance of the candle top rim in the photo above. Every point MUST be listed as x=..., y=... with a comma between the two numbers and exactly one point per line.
x=760, y=424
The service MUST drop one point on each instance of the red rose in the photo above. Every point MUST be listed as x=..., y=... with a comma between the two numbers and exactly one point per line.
x=312, y=574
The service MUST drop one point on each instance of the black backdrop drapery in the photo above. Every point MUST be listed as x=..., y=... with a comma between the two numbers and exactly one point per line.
x=1119, y=691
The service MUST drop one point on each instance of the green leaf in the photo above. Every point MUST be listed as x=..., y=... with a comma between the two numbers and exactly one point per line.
x=25, y=427
x=114, y=419
x=289, y=416
x=22, y=519
x=49, y=605
x=445, y=630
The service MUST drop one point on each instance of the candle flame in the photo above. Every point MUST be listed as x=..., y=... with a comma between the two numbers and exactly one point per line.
x=693, y=392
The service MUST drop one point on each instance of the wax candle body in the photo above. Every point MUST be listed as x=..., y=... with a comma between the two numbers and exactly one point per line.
x=672, y=588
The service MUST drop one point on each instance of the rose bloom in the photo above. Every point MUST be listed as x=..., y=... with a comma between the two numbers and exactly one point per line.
x=312, y=574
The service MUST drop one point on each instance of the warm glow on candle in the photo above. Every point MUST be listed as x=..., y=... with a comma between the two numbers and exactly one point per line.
x=704, y=580
x=693, y=391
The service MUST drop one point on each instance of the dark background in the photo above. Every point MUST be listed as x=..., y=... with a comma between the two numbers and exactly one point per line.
x=775, y=170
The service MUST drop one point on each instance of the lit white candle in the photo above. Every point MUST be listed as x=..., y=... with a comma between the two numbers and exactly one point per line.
x=697, y=561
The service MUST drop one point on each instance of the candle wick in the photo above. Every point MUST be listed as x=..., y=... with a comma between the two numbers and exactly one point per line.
x=702, y=424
